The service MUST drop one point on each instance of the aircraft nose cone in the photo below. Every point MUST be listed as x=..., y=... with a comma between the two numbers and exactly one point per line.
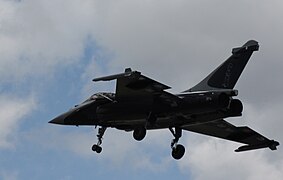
x=58, y=120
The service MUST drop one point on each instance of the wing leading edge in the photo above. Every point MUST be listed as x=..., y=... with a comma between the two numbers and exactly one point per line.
x=224, y=130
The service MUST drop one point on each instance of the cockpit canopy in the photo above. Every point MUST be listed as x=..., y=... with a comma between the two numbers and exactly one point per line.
x=100, y=96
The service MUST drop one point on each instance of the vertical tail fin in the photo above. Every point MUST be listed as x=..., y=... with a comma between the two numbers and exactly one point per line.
x=228, y=73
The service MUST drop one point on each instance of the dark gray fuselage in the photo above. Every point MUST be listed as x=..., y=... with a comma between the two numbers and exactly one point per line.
x=127, y=114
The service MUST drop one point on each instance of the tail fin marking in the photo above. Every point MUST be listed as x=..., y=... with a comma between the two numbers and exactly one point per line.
x=228, y=73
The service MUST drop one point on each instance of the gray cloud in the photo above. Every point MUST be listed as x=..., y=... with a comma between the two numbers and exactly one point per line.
x=185, y=39
x=37, y=37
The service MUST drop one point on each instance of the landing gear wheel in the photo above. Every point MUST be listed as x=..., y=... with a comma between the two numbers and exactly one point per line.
x=96, y=148
x=139, y=133
x=178, y=152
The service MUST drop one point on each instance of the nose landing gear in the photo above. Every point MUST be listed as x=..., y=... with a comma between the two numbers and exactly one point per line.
x=178, y=150
x=96, y=147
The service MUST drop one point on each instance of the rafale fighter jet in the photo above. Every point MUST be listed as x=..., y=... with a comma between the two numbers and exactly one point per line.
x=141, y=103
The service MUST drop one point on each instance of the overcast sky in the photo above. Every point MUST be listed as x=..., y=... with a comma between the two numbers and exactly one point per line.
x=50, y=50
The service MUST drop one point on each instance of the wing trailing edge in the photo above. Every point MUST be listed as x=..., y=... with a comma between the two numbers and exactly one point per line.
x=228, y=73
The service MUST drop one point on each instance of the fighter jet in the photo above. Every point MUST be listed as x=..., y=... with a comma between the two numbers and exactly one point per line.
x=141, y=104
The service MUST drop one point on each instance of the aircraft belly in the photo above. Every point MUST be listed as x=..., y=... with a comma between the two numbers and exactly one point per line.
x=131, y=124
x=193, y=109
x=133, y=119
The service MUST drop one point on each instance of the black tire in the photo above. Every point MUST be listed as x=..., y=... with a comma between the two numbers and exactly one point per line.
x=178, y=152
x=96, y=148
x=139, y=133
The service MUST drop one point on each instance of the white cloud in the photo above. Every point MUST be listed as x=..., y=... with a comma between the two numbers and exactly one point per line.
x=214, y=159
x=38, y=36
x=12, y=111
x=119, y=147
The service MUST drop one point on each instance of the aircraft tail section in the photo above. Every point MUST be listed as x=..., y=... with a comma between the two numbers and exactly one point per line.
x=228, y=73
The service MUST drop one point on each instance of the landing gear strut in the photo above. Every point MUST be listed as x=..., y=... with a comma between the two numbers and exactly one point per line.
x=96, y=147
x=140, y=132
x=178, y=150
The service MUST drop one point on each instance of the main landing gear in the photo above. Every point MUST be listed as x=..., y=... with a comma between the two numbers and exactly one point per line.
x=96, y=147
x=140, y=132
x=178, y=150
